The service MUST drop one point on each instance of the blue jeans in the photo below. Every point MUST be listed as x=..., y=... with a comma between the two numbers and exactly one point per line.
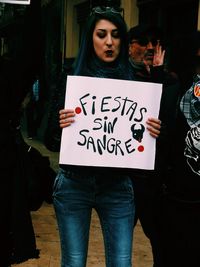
x=74, y=197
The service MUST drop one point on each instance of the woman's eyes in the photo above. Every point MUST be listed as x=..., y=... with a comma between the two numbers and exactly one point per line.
x=115, y=34
x=103, y=34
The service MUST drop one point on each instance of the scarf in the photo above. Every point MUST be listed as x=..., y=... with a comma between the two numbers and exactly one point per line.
x=100, y=69
x=192, y=149
x=190, y=106
x=190, y=103
x=140, y=71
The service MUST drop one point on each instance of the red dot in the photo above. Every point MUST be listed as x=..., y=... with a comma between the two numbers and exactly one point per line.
x=78, y=110
x=140, y=148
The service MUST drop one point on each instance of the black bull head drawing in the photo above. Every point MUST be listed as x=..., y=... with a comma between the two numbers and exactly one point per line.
x=137, y=131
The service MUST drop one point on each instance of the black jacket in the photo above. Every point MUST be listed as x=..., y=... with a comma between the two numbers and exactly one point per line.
x=167, y=115
x=182, y=184
x=16, y=228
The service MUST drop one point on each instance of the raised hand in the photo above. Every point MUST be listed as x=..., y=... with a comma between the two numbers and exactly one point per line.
x=159, y=54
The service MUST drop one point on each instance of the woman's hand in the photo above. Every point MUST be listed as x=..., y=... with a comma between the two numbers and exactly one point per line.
x=66, y=117
x=153, y=126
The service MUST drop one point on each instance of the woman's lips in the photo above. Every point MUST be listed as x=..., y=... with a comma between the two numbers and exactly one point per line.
x=109, y=53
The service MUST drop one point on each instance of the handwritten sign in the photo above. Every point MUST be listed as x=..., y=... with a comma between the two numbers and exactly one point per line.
x=110, y=123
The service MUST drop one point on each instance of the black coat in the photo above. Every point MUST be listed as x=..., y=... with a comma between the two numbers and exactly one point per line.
x=182, y=183
x=16, y=230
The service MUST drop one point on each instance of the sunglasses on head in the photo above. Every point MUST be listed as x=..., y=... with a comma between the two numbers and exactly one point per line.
x=107, y=9
x=144, y=41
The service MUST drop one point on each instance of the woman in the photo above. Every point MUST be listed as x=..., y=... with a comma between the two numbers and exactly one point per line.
x=108, y=190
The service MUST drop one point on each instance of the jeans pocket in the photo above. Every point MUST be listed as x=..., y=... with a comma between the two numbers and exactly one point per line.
x=58, y=181
x=129, y=186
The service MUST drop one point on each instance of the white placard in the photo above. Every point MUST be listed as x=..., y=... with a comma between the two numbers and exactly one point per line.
x=110, y=123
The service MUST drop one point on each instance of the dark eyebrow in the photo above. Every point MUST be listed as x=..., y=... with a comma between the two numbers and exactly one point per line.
x=106, y=29
x=101, y=30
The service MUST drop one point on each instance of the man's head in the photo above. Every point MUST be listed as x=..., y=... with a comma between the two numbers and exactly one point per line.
x=142, y=42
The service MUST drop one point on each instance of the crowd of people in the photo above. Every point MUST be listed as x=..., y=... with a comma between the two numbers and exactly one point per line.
x=165, y=200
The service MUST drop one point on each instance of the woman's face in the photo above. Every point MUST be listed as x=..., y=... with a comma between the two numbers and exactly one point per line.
x=106, y=40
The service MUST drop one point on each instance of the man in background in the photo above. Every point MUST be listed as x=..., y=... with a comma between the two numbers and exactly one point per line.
x=147, y=61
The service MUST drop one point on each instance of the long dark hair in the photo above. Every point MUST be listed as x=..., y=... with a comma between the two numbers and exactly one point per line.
x=86, y=50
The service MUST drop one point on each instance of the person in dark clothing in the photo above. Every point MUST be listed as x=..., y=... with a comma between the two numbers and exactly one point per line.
x=145, y=53
x=147, y=61
x=18, y=65
x=181, y=217
x=16, y=230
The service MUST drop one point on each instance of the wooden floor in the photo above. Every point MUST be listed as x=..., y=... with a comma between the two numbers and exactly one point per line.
x=47, y=237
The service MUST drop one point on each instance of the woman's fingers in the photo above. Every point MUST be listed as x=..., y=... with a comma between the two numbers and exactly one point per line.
x=65, y=123
x=66, y=117
x=154, y=126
